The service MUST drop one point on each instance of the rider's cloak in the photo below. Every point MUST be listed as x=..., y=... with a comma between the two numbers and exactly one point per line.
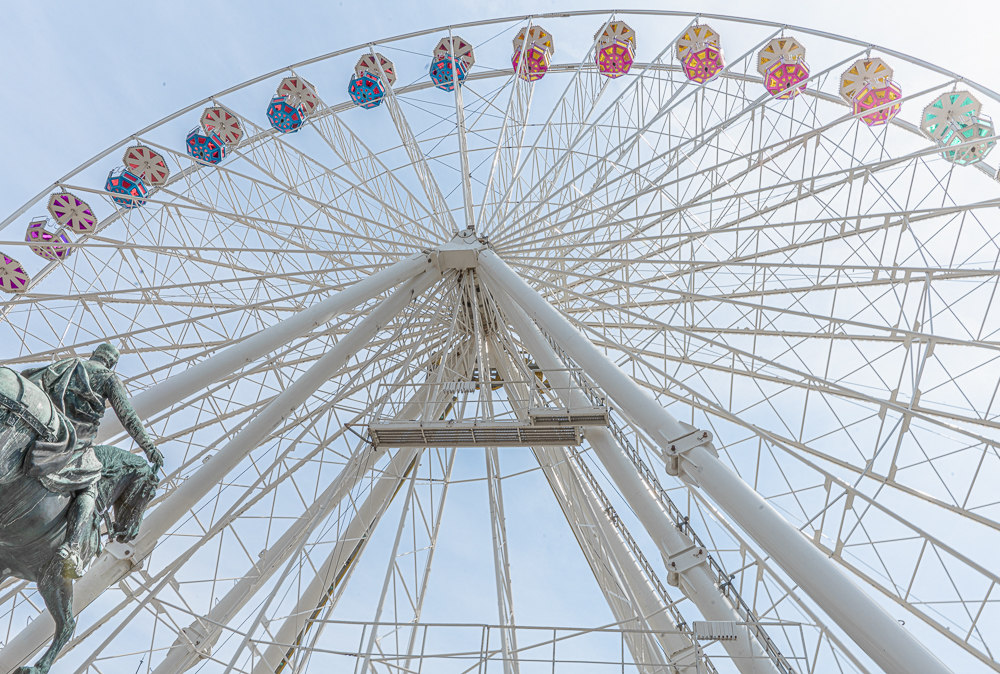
x=68, y=384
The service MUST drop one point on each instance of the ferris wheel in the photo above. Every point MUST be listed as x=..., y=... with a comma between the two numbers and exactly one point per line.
x=731, y=285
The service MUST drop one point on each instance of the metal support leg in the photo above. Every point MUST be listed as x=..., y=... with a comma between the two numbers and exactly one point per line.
x=501, y=560
x=867, y=623
x=697, y=581
x=390, y=569
x=346, y=553
x=176, y=388
x=627, y=590
x=198, y=638
x=624, y=576
x=110, y=568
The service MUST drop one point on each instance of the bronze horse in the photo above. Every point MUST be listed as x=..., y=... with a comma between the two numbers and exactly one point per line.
x=33, y=520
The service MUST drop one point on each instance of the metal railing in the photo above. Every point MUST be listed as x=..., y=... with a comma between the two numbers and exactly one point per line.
x=647, y=568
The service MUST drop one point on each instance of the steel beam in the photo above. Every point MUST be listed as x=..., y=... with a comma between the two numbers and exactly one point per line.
x=119, y=560
x=174, y=389
x=697, y=580
x=347, y=549
x=870, y=626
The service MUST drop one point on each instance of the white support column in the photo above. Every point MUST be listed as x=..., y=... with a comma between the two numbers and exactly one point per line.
x=868, y=624
x=343, y=555
x=229, y=360
x=627, y=589
x=629, y=595
x=198, y=638
x=697, y=580
x=501, y=555
x=118, y=561
x=390, y=570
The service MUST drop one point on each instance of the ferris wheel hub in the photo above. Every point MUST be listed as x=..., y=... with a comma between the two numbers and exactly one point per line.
x=462, y=252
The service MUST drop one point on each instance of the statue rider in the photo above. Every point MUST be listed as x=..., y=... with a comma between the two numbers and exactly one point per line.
x=79, y=389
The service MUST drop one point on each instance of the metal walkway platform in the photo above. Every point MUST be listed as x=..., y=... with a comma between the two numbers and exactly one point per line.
x=457, y=434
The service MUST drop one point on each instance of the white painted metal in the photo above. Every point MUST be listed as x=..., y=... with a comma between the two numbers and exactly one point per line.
x=635, y=603
x=633, y=592
x=111, y=567
x=231, y=359
x=441, y=213
x=501, y=564
x=366, y=664
x=463, y=143
x=871, y=627
x=698, y=581
x=817, y=295
x=185, y=654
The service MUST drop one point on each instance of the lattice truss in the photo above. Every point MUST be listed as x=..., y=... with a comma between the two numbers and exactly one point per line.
x=816, y=292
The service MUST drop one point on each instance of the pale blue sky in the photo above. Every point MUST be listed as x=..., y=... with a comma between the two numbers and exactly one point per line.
x=79, y=76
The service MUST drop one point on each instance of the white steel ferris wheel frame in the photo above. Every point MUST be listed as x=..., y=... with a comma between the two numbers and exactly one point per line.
x=545, y=284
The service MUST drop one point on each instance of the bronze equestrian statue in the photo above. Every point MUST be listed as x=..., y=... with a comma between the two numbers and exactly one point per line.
x=56, y=486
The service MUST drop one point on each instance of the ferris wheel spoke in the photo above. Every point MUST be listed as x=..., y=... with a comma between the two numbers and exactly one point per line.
x=655, y=187
x=403, y=207
x=332, y=194
x=295, y=357
x=294, y=169
x=934, y=417
x=289, y=474
x=816, y=284
x=569, y=114
x=269, y=338
x=794, y=198
x=159, y=293
x=153, y=330
x=238, y=190
x=372, y=179
x=874, y=296
x=651, y=77
x=284, y=202
x=739, y=160
x=824, y=322
x=179, y=219
x=502, y=179
x=441, y=213
x=863, y=225
x=602, y=168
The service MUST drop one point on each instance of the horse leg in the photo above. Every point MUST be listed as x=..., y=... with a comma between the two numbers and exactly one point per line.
x=138, y=490
x=57, y=591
